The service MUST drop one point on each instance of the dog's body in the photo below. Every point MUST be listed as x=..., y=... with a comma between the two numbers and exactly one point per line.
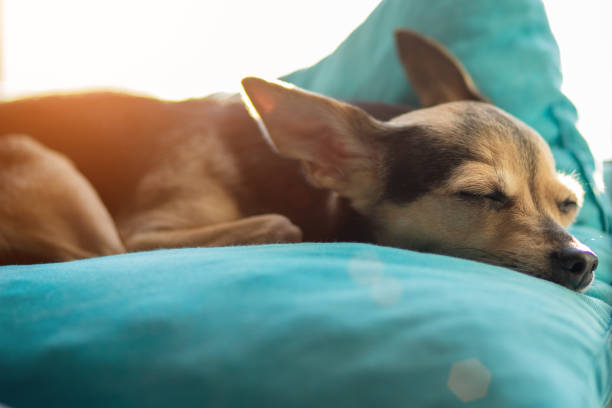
x=460, y=178
x=198, y=168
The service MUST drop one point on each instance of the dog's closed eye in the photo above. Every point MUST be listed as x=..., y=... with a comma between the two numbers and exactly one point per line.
x=574, y=193
x=568, y=206
x=497, y=198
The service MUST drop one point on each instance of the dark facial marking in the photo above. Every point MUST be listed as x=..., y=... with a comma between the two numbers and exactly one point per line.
x=418, y=161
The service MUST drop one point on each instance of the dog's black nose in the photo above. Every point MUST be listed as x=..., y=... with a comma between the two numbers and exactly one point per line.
x=577, y=266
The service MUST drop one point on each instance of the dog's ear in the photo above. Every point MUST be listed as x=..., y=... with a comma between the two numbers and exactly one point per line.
x=436, y=76
x=335, y=142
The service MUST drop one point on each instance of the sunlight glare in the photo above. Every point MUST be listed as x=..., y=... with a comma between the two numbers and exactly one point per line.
x=171, y=49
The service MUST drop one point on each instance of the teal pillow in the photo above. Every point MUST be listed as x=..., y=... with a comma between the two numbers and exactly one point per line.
x=608, y=178
x=506, y=46
x=304, y=325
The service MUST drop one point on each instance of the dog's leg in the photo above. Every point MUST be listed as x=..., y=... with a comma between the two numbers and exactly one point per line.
x=48, y=211
x=260, y=229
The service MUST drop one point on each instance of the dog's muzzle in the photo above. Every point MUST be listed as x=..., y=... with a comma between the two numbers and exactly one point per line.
x=574, y=267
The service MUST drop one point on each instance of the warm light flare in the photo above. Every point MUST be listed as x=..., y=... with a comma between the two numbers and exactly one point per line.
x=172, y=49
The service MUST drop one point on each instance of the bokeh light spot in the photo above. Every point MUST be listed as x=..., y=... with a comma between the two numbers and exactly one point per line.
x=469, y=380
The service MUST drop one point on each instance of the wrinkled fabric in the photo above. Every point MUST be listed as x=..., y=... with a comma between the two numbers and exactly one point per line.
x=300, y=325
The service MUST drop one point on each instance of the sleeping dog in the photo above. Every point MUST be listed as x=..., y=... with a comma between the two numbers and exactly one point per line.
x=104, y=173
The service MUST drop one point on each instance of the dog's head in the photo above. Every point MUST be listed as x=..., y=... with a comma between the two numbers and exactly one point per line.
x=459, y=177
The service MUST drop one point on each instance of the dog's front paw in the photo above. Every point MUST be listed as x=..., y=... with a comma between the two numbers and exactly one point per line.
x=278, y=229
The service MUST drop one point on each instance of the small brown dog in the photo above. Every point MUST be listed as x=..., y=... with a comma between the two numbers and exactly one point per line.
x=95, y=174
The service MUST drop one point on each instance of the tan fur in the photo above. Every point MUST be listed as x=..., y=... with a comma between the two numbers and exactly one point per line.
x=42, y=194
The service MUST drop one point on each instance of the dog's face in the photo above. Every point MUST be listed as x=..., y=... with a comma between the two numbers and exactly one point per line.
x=460, y=177
x=484, y=188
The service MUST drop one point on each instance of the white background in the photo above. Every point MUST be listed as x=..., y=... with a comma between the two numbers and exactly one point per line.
x=189, y=48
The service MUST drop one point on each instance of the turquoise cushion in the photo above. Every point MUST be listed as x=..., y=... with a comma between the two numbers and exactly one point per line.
x=507, y=47
x=302, y=325
x=608, y=178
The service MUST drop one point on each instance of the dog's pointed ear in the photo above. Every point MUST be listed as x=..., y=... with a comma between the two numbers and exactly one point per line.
x=335, y=142
x=436, y=76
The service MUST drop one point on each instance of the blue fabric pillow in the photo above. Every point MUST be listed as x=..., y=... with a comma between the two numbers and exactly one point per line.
x=506, y=46
x=300, y=326
x=608, y=178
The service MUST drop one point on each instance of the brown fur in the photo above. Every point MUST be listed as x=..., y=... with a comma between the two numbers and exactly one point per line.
x=108, y=173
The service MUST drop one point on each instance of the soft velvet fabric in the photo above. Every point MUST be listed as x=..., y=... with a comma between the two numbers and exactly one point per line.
x=300, y=325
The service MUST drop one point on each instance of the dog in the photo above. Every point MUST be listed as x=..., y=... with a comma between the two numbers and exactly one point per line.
x=94, y=174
